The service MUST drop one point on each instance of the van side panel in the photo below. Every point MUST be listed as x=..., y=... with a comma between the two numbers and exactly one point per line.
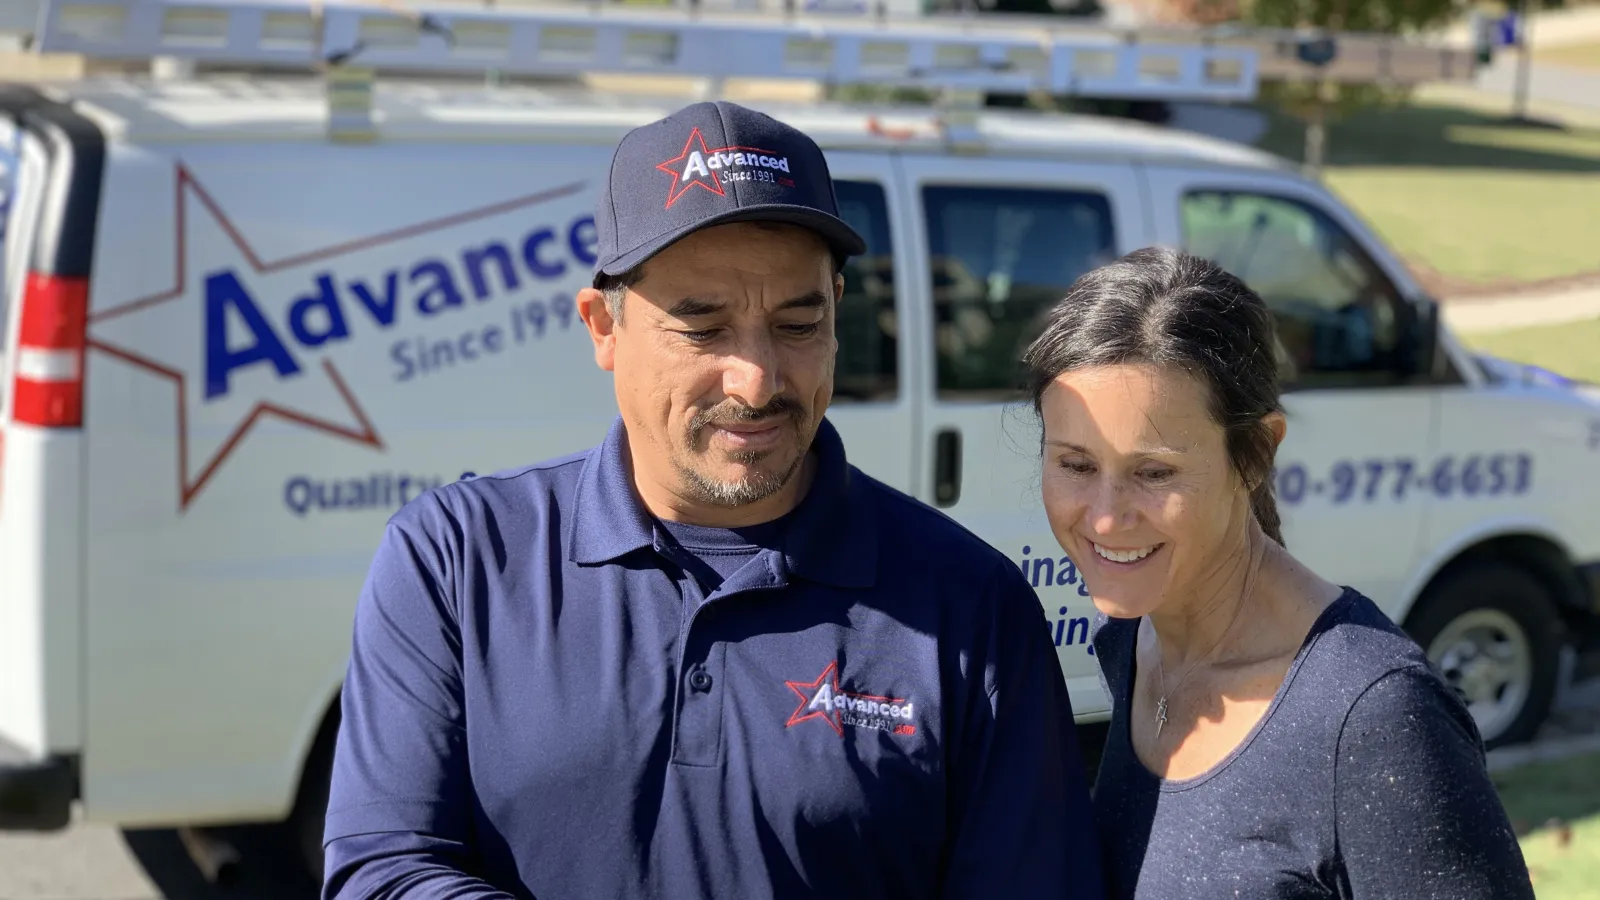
x=41, y=471
x=21, y=629
x=41, y=606
x=287, y=342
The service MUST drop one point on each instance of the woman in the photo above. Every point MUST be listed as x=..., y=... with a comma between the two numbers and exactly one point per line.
x=1273, y=735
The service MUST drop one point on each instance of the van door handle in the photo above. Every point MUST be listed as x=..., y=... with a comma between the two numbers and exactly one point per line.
x=947, y=467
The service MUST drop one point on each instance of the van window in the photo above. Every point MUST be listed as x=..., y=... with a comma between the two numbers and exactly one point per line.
x=999, y=258
x=867, y=365
x=26, y=170
x=1337, y=314
x=9, y=163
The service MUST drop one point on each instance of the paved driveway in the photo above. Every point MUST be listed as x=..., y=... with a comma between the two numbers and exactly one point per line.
x=1553, y=84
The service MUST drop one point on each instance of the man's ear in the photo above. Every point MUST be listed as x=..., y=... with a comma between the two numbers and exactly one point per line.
x=596, y=315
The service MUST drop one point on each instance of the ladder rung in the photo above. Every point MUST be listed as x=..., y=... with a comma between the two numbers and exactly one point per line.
x=523, y=40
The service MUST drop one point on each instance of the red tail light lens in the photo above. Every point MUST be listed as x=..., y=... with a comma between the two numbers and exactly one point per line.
x=47, y=374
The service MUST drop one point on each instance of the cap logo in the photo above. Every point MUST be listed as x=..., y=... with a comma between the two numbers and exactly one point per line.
x=713, y=168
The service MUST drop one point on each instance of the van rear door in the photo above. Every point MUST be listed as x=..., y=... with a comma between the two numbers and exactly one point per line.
x=52, y=188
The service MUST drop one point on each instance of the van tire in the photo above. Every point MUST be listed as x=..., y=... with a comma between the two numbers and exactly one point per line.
x=305, y=822
x=1488, y=624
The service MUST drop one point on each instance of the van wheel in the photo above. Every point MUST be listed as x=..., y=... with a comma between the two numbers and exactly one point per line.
x=305, y=823
x=1492, y=630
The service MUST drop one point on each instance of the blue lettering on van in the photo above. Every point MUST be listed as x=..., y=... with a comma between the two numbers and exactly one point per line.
x=238, y=334
x=387, y=491
x=1067, y=627
x=1399, y=479
x=1045, y=571
x=530, y=321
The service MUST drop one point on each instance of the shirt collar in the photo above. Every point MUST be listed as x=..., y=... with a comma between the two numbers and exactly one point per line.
x=831, y=536
x=608, y=521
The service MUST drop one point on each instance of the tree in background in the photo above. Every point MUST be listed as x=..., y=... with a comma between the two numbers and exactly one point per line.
x=1069, y=8
x=1383, y=16
x=1191, y=12
x=1314, y=101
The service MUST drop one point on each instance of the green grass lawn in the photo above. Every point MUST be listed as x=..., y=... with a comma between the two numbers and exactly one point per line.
x=1469, y=195
x=1555, y=808
x=1572, y=349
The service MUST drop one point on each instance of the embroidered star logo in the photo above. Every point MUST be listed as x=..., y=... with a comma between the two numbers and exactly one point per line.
x=817, y=699
x=165, y=334
x=692, y=167
x=689, y=169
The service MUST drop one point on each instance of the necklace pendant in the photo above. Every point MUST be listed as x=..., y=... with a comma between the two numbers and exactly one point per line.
x=1161, y=715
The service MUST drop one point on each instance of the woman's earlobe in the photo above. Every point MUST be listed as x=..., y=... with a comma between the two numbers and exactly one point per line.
x=1277, y=425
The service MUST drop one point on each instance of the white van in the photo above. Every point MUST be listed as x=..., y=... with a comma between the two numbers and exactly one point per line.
x=234, y=348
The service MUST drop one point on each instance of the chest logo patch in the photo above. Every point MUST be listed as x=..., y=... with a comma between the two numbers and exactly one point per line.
x=823, y=700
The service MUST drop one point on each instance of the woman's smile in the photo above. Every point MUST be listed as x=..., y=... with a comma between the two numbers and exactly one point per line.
x=1128, y=557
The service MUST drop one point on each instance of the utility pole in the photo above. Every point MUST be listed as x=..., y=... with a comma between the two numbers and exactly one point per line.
x=1317, y=51
x=1519, y=102
x=1317, y=131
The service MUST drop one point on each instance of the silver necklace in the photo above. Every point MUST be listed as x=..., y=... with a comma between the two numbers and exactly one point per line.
x=1161, y=701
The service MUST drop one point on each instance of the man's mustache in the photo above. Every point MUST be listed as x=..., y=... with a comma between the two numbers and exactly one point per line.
x=735, y=412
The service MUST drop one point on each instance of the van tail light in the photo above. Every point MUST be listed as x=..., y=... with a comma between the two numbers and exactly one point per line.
x=47, y=378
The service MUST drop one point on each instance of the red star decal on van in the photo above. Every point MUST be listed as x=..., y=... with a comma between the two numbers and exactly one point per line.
x=163, y=334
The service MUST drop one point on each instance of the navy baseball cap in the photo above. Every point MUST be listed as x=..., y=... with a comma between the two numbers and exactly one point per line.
x=709, y=164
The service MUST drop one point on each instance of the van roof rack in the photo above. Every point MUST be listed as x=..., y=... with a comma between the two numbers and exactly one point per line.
x=892, y=47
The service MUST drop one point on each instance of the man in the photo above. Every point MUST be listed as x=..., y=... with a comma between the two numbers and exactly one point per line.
x=708, y=658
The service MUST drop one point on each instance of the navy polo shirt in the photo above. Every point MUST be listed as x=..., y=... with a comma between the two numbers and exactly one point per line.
x=553, y=694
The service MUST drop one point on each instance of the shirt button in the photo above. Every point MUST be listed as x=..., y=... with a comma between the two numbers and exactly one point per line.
x=700, y=680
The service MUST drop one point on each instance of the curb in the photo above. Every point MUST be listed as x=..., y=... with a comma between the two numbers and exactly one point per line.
x=1507, y=758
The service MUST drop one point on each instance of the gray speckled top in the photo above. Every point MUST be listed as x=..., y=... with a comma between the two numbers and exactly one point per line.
x=1363, y=779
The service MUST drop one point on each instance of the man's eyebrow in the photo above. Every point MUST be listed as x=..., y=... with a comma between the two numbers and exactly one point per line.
x=689, y=307
x=809, y=300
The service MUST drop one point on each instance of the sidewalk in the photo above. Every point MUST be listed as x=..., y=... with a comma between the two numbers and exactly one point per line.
x=1522, y=309
x=1546, y=83
x=1532, y=305
x=1572, y=730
